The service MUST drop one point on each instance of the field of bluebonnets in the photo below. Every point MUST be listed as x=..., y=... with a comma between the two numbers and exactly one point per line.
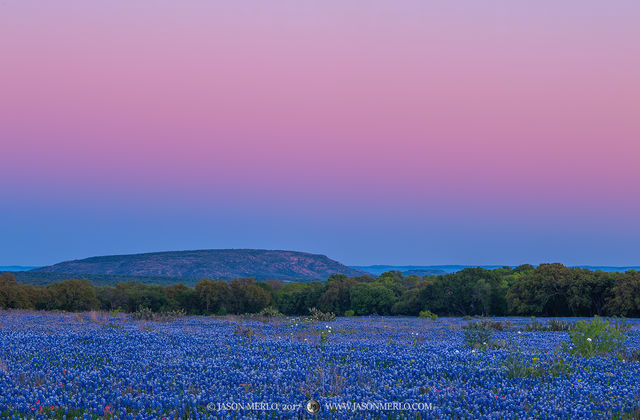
x=95, y=365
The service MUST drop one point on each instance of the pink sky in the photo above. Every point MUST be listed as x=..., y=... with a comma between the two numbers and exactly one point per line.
x=512, y=116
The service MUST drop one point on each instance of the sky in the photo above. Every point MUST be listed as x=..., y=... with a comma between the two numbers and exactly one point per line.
x=374, y=132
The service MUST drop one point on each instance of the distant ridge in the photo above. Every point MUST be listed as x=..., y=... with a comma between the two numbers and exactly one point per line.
x=406, y=270
x=442, y=269
x=15, y=268
x=213, y=263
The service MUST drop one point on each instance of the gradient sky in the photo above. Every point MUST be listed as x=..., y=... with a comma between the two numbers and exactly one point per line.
x=391, y=132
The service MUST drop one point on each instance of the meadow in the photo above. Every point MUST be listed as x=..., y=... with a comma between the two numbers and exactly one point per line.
x=109, y=365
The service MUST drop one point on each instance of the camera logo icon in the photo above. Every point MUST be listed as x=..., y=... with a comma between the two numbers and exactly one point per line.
x=313, y=407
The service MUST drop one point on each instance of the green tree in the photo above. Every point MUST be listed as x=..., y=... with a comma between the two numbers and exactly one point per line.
x=247, y=297
x=213, y=296
x=182, y=297
x=409, y=303
x=542, y=292
x=371, y=298
x=336, y=297
x=625, y=295
x=12, y=293
x=297, y=298
x=73, y=295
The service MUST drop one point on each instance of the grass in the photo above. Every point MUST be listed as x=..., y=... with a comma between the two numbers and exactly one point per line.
x=519, y=366
x=553, y=325
x=597, y=338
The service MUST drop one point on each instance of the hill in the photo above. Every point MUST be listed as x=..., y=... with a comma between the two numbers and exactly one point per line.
x=423, y=272
x=215, y=263
x=15, y=268
x=431, y=270
x=406, y=270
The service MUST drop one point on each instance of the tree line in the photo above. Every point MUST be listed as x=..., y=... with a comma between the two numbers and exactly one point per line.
x=546, y=290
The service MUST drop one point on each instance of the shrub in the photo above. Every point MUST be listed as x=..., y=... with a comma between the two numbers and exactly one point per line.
x=535, y=325
x=245, y=332
x=145, y=314
x=317, y=315
x=428, y=315
x=477, y=335
x=559, y=325
x=500, y=344
x=551, y=325
x=621, y=324
x=142, y=314
x=168, y=316
x=270, y=312
x=519, y=366
x=596, y=338
x=324, y=337
x=633, y=355
x=350, y=312
x=489, y=324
